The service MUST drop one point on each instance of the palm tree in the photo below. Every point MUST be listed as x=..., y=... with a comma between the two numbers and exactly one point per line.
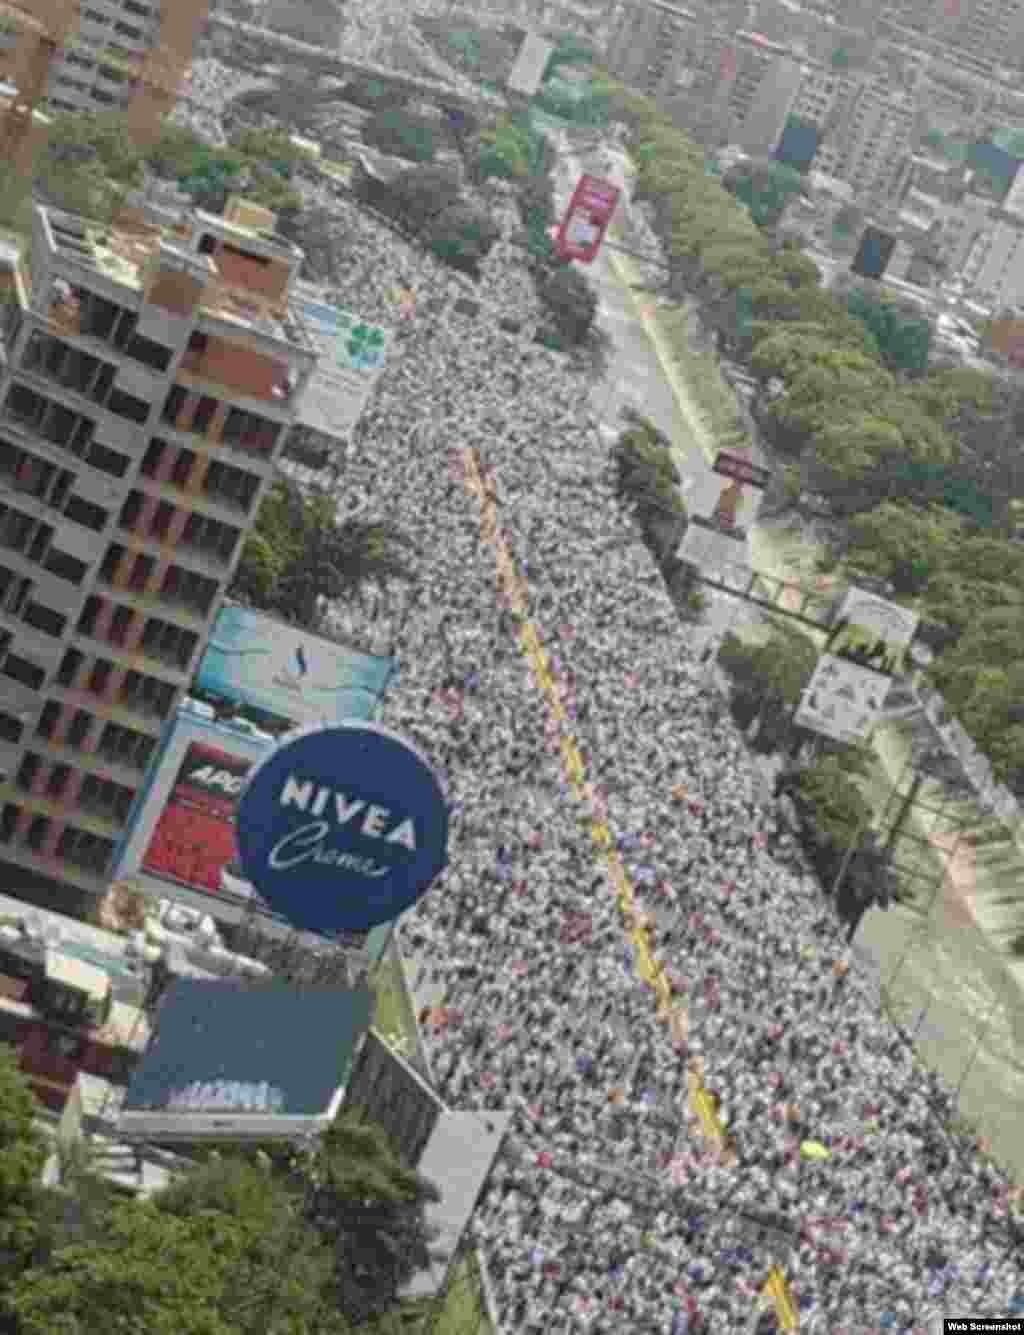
x=301, y=557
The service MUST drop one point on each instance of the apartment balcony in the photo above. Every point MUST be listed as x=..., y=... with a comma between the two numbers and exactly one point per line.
x=57, y=869
x=155, y=604
x=103, y=825
x=135, y=714
x=102, y=765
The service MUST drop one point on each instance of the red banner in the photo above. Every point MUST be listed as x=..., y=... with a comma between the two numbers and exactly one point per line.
x=194, y=838
x=586, y=219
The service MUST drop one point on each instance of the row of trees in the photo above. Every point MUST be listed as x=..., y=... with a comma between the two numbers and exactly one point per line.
x=919, y=467
x=90, y=163
x=829, y=794
x=317, y=1239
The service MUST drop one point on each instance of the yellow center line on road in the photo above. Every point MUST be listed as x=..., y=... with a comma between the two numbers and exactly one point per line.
x=702, y=1101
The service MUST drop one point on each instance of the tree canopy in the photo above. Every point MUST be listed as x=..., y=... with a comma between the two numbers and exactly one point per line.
x=917, y=463
x=299, y=556
x=314, y=1239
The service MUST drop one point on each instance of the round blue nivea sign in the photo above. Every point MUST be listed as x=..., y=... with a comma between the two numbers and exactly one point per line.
x=341, y=828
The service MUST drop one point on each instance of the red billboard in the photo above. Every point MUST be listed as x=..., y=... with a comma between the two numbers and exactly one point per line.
x=735, y=466
x=586, y=219
x=194, y=838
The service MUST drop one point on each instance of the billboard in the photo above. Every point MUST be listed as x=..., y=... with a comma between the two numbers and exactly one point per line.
x=528, y=72
x=586, y=219
x=225, y=1062
x=193, y=841
x=342, y=828
x=873, y=253
x=255, y=660
x=867, y=647
x=741, y=470
x=352, y=355
x=180, y=842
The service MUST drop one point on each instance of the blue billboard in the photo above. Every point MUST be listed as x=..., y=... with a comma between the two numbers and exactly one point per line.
x=342, y=828
x=254, y=660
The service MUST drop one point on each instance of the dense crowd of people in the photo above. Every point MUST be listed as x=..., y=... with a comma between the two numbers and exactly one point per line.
x=897, y=1221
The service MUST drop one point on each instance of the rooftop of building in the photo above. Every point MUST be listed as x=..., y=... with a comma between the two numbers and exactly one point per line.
x=123, y=251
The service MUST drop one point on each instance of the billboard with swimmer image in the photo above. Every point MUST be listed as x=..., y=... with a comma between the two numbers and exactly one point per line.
x=284, y=671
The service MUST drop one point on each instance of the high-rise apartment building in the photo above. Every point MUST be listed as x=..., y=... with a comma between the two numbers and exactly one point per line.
x=762, y=93
x=149, y=377
x=994, y=267
x=652, y=46
x=102, y=55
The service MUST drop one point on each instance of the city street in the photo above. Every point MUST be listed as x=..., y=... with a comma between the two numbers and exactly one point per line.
x=950, y=978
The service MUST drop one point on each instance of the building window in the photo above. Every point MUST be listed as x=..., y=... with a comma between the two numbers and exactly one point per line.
x=37, y=833
x=174, y=403
x=147, y=694
x=107, y=460
x=45, y=619
x=49, y=718
x=79, y=729
x=230, y=486
x=99, y=676
x=153, y=355
x=21, y=670
x=14, y=590
x=171, y=644
x=27, y=771
x=88, y=851
x=127, y=405
x=106, y=798
x=65, y=567
x=210, y=536
x=127, y=519
x=151, y=459
x=161, y=521
x=85, y=513
x=182, y=469
x=11, y=728
x=193, y=591
x=142, y=569
x=122, y=746
x=120, y=625
x=69, y=665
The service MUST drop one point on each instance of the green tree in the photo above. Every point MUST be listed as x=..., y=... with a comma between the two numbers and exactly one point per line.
x=647, y=480
x=905, y=544
x=837, y=807
x=271, y=148
x=88, y=164
x=903, y=337
x=299, y=554
x=765, y=187
x=23, y=1153
x=369, y=1209
x=461, y=235
x=423, y=193
x=768, y=680
x=571, y=302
